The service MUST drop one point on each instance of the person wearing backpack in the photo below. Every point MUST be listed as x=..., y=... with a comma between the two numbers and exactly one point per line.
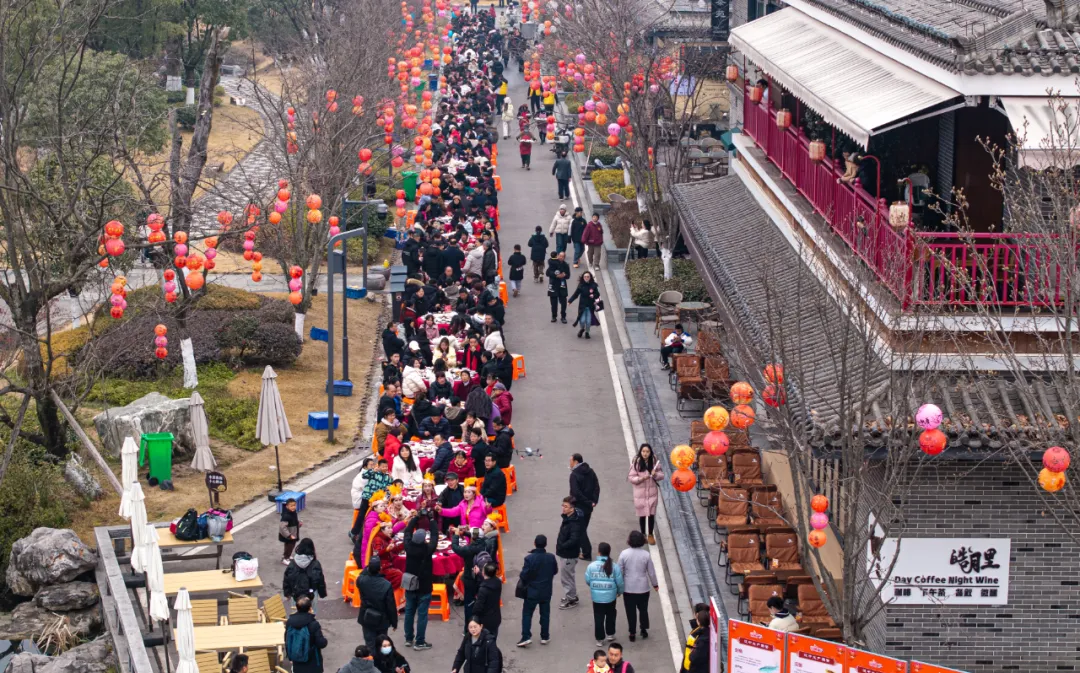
x=304, y=576
x=418, y=551
x=304, y=639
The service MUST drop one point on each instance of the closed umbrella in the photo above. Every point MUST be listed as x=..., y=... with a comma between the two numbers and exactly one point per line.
x=155, y=576
x=138, y=528
x=200, y=431
x=185, y=634
x=129, y=473
x=272, y=427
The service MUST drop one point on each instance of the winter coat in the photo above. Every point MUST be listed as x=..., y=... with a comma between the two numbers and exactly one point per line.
x=646, y=488
x=432, y=425
x=538, y=572
x=639, y=573
x=289, y=526
x=478, y=404
x=356, y=491
x=391, y=662
x=418, y=556
x=505, y=403
x=604, y=588
x=392, y=343
x=594, y=234
x=584, y=487
x=474, y=261
x=494, y=488
x=562, y=169
x=589, y=293
x=486, y=607
x=463, y=472
x=642, y=237
x=483, y=656
x=568, y=544
x=508, y=112
x=444, y=455
x=517, y=266
x=303, y=577
x=402, y=472
x=358, y=665
x=376, y=594
x=557, y=286
x=306, y=620
x=412, y=382
x=538, y=245
x=471, y=516
x=560, y=224
x=445, y=390
x=577, y=228
x=468, y=555
x=503, y=449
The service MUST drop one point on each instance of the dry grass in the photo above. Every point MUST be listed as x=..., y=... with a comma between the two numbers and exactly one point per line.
x=249, y=473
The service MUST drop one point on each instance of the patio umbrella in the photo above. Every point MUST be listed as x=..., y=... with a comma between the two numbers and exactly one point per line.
x=272, y=427
x=155, y=576
x=138, y=528
x=204, y=459
x=129, y=473
x=185, y=633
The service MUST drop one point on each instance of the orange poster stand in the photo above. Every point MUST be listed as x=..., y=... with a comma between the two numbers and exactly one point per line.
x=920, y=667
x=755, y=649
x=810, y=655
x=859, y=661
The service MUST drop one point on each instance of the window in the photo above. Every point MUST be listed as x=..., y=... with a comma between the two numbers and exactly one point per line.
x=759, y=8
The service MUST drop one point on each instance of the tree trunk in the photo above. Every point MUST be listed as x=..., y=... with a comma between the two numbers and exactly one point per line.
x=665, y=256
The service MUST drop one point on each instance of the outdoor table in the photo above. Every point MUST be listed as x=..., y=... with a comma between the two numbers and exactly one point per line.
x=693, y=309
x=208, y=581
x=236, y=636
x=425, y=452
x=443, y=562
x=166, y=540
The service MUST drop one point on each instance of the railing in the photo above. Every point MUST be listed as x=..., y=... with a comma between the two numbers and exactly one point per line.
x=918, y=268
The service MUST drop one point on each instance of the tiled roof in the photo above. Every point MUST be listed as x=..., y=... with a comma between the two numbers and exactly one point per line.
x=971, y=36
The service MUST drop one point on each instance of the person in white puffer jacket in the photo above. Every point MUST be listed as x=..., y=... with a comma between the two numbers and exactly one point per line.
x=560, y=228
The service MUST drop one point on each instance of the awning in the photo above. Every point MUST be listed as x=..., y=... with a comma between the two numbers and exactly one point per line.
x=1041, y=125
x=852, y=86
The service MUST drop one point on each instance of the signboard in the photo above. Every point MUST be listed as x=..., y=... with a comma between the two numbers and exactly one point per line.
x=868, y=662
x=810, y=655
x=714, y=634
x=920, y=667
x=719, y=23
x=755, y=649
x=953, y=571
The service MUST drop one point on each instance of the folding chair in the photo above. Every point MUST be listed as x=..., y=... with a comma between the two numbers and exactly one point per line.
x=208, y=662
x=204, y=612
x=274, y=609
x=746, y=468
x=262, y=661
x=758, y=596
x=766, y=507
x=732, y=508
x=698, y=430
x=812, y=610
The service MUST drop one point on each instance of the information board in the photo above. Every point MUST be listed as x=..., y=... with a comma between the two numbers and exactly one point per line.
x=858, y=661
x=810, y=655
x=755, y=649
x=920, y=667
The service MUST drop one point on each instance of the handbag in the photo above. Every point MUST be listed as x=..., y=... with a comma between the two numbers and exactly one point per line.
x=522, y=588
x=246, y=569
x=410, y=582
x=599, y=305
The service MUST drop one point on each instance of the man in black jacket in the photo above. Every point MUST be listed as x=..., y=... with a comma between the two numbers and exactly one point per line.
x=577, y=228
x=538, y=575
x=699, y=654
x=479, y=451
x=303, y=619
x=489, y=266
x=503, y=366
x=557, y=273
x=467, y=553
x=410, y=254
x=562, y=171
x=494, y=489
x=567, y=547
x=391, y=342
x=503, y=449
x=451, y=496
x=452, y=257
x=433, y=263
x=418, y=551
x=585, y=490
x=486, y=607
x=378, y=610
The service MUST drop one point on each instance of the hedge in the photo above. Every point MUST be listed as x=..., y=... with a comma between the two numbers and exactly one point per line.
x=619, y=219
x=611, y=180
x=646, y=279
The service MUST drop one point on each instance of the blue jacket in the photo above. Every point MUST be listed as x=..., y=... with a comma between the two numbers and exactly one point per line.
x=538, y=572
x=429, y=426
x=443, y=455
x=603, y=588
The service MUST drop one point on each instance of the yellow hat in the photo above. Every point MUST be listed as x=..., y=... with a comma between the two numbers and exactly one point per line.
x=429, y=477
x=377, y=495
x=394, y=489
x=470, y=482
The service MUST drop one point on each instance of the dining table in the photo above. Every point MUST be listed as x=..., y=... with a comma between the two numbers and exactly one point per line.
x=208, y=581
x=444, y=561
x=260, y=635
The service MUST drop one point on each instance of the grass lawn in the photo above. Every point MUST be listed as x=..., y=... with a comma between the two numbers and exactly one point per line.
x=251, y=473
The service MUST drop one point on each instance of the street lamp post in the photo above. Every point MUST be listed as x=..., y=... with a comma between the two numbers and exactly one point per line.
x=380, y=211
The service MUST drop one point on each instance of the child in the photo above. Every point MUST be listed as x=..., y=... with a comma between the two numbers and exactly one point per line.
x=517, y=269
x=599, y=663
x=360, y=505
x=289, y=529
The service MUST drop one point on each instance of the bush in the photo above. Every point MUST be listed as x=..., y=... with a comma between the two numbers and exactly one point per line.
x=219, y=95
x=646, y=279
x=31, y=497
x=273, y=344
x=605, y=154
x=619, y=219
x=175, y=97
x=223, y=298
x=186, y=116
x=610, y=181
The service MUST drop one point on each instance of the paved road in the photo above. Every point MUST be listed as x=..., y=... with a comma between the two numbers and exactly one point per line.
x=565, y=405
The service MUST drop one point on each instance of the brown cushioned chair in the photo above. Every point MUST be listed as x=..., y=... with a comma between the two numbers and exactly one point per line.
x=782, y=552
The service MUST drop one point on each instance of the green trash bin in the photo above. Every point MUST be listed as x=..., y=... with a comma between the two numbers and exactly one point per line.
x=157, y=448
x=408, y=183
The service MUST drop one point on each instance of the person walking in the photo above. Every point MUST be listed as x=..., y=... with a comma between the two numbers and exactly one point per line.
x=378, y=609
x=567, y=548
x=585, y=490
x=508, y=114
x=577, y=228
x=593, y=238
x=289, y=528
x=478, y=652
x=418, y=551
x=486, y=608
x=538, y=245
x=639, y=578
x=646, y=473
x=304, y=639
x=563, y=171
x=517, y=270
x=388, y=659
x=304, y=576
x=525, y=144
x=558, y=272
x=615, y=659
x=560, y=228
x=536, y=580
x=362, y=661
x=589, y=292
x=605, y=581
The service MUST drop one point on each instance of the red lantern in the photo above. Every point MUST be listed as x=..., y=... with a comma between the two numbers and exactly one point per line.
x=283, y=194
x=742, y=416
x=817, y=538
x=683, y=480
x=819, y=503
x=295, y=272
x=756, y=93
x=170, y=297
x=732, y=73
x=180, y=261
x=155, y=221
x=773, y=396
x=716, y=443
x=932, y=442
x=1056, y=459
x=817, y=151
x=161, y=353
x=114, y=228
x=365, y=154
x=741, y=392
x=224, y=218
x=314, y=201
x=114, y=247
x=783, y=120
x=774, y=373
x=169, y=274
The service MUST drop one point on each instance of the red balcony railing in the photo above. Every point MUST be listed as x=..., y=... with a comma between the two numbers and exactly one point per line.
x=919, y=268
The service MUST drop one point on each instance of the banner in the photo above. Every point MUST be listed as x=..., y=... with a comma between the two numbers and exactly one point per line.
x=755, y=649
x=714, y=634
x=868, y=662
x=936, y=571
x=920, y=667
x=810, y=655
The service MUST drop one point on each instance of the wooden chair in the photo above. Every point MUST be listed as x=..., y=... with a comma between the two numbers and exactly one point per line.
x=666, y=315
x=696, y=173
x=274, y=609
x=242, y=610
x=743, y=555
x=204, y=612
x=262, y=661
x=208, y=662
x=782, y=552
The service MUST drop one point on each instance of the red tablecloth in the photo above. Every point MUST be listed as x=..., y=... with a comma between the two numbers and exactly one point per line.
x=425, y=452
x=443, y=561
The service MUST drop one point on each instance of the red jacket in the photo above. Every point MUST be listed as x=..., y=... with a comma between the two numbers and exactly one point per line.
x=505, y=404
x=593, y=234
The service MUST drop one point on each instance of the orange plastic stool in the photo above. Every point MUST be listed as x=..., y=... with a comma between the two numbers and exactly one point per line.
x=503, y=294
x=350, y=566
x=350, y=586
x=504, y=523
x=498, y=183
x=511, y=479
x=440, y=604
x=519, y=366
x=410, y=218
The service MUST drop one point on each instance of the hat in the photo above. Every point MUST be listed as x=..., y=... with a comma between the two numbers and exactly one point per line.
x=414, y=346
x=500, y=385
x=562, y=206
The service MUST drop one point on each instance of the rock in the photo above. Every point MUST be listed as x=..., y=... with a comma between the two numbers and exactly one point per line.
x=81, y=479
x=93, y=657
x=151, y=413
x=30, y=621
x=47, y=556
x=68, y=596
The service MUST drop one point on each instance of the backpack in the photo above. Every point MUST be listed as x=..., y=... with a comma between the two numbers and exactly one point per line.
x=217, y=524
x=298, y=644
x=203, y=522
x=187, y=528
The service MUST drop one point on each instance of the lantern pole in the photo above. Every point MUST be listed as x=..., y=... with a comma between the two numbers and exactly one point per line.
x=342, y=237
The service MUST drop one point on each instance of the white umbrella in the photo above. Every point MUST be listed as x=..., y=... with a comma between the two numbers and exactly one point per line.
x=138, y=528
x=155, y=579
x=272, y=427
x=185, y=634
x=129, y=473
x=200, y=431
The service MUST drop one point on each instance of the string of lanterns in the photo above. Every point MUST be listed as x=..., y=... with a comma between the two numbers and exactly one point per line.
x=161, y=342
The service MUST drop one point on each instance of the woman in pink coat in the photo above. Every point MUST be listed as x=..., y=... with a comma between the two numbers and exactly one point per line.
x=371, y=521
x=645, y=475
x=471, y=511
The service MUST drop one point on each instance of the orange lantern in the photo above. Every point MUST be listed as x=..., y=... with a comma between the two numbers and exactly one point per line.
x=732, y=73
x=817, y=539
x=1051, y=482
x=274, y=217
x=819, y=503
x=683, y=480
x=817, y=151
x=195, y=280
x=783, y=119
x=682, y=456
x=742, y=416
x=741, y=392
x=161, y=330
x=314, y=202
x=314, y=216
x=756, y=93
x=296, y=297
x=716, y=418
x=774, y=373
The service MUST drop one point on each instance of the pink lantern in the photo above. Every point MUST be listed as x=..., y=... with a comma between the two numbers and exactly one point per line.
x=928, y=417
x=590, y=104
x=580, y=59
x=295, y=285
x=613, y=129
x=280, y=206
x=211, y=253
x=116, y=300
x=400, y=203
x=161, y=342
x=170, y=286
x=180, y=249
x=819, y=520
x=249, y=245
